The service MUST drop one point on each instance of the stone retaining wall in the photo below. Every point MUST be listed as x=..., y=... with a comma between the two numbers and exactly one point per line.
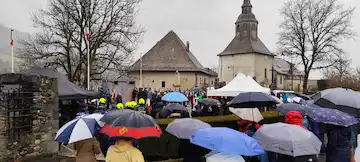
x=41, y=117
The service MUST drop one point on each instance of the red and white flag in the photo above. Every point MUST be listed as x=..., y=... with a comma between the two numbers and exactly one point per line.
x=87, y=36
x=11, y=38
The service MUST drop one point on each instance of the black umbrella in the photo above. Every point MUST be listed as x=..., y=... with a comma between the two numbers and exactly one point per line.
x=345, y=100
x=129, y=124
x=172, y=107
x=252, y=100
x=210, y=102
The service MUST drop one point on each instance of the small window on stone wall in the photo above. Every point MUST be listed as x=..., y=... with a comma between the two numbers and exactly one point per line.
x=163, y=84
x=265, y=73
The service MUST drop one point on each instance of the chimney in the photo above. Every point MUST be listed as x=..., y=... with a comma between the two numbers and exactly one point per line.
x=187, y=46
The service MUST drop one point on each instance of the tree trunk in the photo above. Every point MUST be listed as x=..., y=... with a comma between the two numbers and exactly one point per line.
x=306, y=78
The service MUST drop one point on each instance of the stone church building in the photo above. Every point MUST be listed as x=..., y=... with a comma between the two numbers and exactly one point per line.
x=170, y=65
x=246, y=53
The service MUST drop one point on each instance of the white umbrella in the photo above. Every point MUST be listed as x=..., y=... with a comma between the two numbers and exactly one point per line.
x=95, y=116
x=251, y=114
x=225, y=157
x=287, y=139
x=184, y=128
x=277, y=99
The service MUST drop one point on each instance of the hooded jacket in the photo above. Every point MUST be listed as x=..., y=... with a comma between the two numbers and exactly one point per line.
x=123, y=152
x=294, y=118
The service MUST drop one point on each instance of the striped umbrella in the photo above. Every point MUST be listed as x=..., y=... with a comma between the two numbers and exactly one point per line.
x=81, y=128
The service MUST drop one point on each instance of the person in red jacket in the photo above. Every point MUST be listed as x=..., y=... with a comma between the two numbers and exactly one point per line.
x=248, y=127
x=294, y=118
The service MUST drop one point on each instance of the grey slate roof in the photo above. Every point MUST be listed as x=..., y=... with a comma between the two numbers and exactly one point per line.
x=169, y=54
x=283, y=67
x=245, y=46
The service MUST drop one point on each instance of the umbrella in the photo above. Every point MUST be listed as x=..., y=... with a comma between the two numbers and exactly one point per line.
x=97, y=117
x=174, y=97
x=287, y=139
x=251, y=114
x=252, y=99
x=318, y=95
x=81, y=128
x=331, y=116
x=129, y=124
x=284, y=108
x=277, y=99
x=183, y=128
x=226, y=140
x=345, y=100
x=173, y=107
x=210, y=102
x=225, y=157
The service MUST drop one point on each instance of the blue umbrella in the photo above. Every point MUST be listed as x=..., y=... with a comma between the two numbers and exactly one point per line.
x=226, y=140
x=330, y=116
x=174, y=97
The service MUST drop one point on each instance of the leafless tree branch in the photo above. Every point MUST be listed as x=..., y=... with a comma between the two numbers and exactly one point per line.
x=312, y=31
x=62, y=42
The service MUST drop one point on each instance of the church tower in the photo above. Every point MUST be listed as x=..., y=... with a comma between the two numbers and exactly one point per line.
x=246, y=53
x=246, y=25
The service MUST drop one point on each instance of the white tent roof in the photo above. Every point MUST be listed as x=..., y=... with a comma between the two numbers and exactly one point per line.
x=241, y=83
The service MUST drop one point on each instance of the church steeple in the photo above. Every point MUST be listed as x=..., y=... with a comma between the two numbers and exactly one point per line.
x=246, y=7
x=246, y=14
x=246, y=24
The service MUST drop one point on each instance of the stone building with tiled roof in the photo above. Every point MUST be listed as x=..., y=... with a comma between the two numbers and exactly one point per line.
x=171, y=65
x=246, y=53
x=287, y=76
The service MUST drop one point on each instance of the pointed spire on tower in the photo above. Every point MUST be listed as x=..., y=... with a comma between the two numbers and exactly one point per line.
x=246, y=7
x=246, y=14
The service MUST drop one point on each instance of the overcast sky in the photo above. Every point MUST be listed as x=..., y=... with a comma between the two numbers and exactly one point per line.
x=207, y=24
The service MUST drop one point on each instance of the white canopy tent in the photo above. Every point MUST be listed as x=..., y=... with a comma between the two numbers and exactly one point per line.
x=240, y=84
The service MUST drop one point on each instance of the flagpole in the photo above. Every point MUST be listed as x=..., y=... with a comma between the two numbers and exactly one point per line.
x=12, y=50
x=141, y=66
x=88, y=60
x=88, y=50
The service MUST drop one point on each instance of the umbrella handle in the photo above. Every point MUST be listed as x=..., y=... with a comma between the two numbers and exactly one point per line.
x=68, y=148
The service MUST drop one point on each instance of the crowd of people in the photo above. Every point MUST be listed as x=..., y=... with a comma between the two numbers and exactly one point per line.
x=340, y=145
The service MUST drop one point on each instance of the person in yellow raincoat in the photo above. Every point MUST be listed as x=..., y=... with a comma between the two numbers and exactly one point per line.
x=119, y=106
x=124, y=151
x=102, y=100
x=128, y=105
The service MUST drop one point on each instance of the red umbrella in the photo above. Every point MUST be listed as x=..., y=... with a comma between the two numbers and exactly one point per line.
x=136, y=133
x=129, y=124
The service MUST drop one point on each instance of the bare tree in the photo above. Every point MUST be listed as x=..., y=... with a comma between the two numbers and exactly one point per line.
x=312, y=31
x=62, y=42
x=341, y=68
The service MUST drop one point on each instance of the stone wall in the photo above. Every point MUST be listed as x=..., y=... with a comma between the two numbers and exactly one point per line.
x=41, y=116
